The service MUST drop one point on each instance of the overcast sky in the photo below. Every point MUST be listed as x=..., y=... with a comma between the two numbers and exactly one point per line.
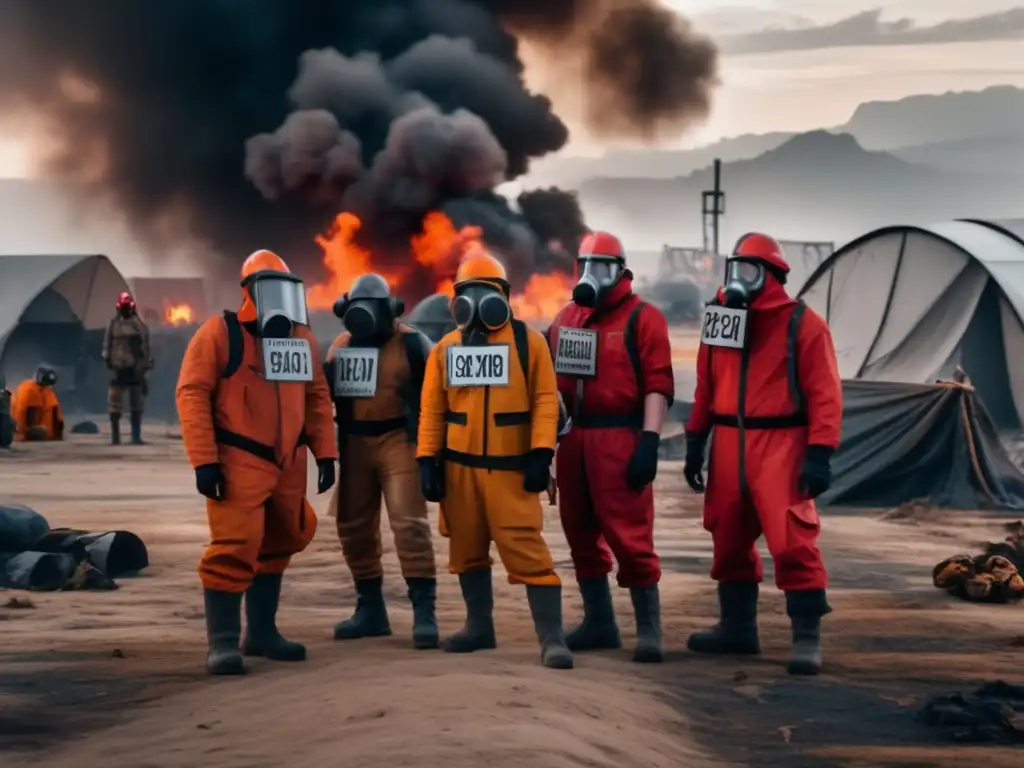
x=802, y=64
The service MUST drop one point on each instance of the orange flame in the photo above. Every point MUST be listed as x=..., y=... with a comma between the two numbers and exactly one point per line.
x=178, y=314
x=435, y=253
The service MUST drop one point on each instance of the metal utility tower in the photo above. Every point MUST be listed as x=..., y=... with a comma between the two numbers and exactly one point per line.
x=712, y=207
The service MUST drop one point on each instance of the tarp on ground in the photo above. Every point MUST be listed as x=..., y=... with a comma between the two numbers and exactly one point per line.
x=903, y=442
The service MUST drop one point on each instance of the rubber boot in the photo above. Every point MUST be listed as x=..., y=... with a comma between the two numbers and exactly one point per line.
x=137, y=428
x=647, y=606
x=371, y=615
x=478, y=632
x=223, y=628
x=423, y=596
x=546, y=608
x=261, y=635
x=736, y=631
x=598, y=630
x=115, y=429
x=805, y=609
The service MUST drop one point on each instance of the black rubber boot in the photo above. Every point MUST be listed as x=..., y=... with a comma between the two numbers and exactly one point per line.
x=478, y=632
x=805, y=609
x=423, y=596
x=137, y=428
x=371, y=615
x=115, y=429
x=546, y=608
x=261, y=635
x=223, y=628
x=647, y=606
x=736, y=631
x=598, y=630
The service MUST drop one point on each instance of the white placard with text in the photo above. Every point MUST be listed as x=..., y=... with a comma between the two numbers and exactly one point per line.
x=576, y=354
x=477, y=366
x=724, y=327
x=356, y=370
x=287, y=360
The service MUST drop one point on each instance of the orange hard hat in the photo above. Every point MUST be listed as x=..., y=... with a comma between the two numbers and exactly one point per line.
x=481, y=267
x=601, y=245
x=760, y=247
x=259, y=261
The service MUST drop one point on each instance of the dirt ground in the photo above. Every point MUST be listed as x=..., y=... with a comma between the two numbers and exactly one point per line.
x=116, y=678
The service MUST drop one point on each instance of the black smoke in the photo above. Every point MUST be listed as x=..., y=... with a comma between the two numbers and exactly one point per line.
x=242, y=124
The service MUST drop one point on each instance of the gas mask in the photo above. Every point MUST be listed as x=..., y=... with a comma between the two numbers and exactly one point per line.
x=744, y=279
x=46, y=377
x=480, y=307
x=280, y=301
x=369, y=311
x=597, y=277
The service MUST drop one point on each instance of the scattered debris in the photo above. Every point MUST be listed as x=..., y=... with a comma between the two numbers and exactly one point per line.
x=751, y=691
x=993, y=714
x=787, y=733
x=991, y=577
x=19, y=603
x=85, y=428
x=117, y=653
x=899, y=701
x=913, y=511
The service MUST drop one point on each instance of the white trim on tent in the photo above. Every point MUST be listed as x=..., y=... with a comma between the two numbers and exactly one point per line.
x=900, y=302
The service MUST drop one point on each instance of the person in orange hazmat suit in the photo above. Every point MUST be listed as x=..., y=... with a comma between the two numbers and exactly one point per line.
x=128, y=355
x=251, y=397
x=377, y=367
x=36, y=411
x=768, y=384
x=614, y=364
x=487, y=433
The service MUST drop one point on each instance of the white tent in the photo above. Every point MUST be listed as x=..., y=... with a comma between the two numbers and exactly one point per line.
x=47, y=302
x=909, y=304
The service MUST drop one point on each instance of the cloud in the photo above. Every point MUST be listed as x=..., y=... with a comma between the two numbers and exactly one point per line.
x=868, y=29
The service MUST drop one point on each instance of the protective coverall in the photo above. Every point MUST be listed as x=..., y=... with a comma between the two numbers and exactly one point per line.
x=35, y=409
x=485, y=453
x=776, y=409
x=246, y=436
x=376, y=446
x=608, y=459
x=128, y=355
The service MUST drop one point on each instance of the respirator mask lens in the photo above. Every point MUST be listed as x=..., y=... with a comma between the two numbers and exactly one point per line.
x=462, y=311
x=361, y=320
x=494, y=311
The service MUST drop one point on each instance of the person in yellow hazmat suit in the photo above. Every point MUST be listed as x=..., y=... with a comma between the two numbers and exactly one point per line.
x=487, y=433
x=376, y=368
x=35, y=409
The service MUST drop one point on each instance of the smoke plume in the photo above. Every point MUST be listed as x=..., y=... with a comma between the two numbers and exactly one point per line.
x=250, y=125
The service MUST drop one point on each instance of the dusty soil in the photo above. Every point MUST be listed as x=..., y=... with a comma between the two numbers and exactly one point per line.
x=116, y=679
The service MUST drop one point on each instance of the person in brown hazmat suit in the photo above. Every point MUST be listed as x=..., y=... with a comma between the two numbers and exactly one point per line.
x=251, y=397
x=487, y=433
x=128, y=356
x=376, y=367
x=35, y=409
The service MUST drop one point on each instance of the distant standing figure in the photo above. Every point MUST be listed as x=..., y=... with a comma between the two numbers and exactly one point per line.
x=128, y=355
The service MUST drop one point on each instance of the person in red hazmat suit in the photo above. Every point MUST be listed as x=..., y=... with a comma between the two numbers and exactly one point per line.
x=768, y=384
x=251, y=397
x=487, y=433
x=614, y=364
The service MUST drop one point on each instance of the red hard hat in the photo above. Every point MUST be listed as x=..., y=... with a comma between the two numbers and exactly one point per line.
x=124, y=300
x=601, y=245
x=758, y=247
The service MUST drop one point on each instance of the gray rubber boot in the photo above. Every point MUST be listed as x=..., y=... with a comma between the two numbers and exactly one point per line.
x=736, y=631
x=137, y=428
x=115, y=429
x=546, y=608
x=371, y=615
x=598, y=630
x=423, y=596
x=805, y=609
x=647, y=606
x=478, y=632
x=223, y=628
x=261, y=635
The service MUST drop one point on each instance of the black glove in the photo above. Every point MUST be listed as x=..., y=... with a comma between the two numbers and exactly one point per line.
x=693, y=469
x=537, y=471
x=210, y=482
x=431, y=479
x=816, y=473
x=325, y=475
x=643, y=464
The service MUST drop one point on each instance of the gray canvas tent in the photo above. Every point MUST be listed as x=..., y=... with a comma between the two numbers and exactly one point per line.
x=909, y=304
x=47, y=305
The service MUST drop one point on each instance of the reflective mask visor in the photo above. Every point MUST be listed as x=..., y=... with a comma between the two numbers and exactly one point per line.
x=603, y=271
x=46, y=377
x=743, y=280
x=280, y=301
